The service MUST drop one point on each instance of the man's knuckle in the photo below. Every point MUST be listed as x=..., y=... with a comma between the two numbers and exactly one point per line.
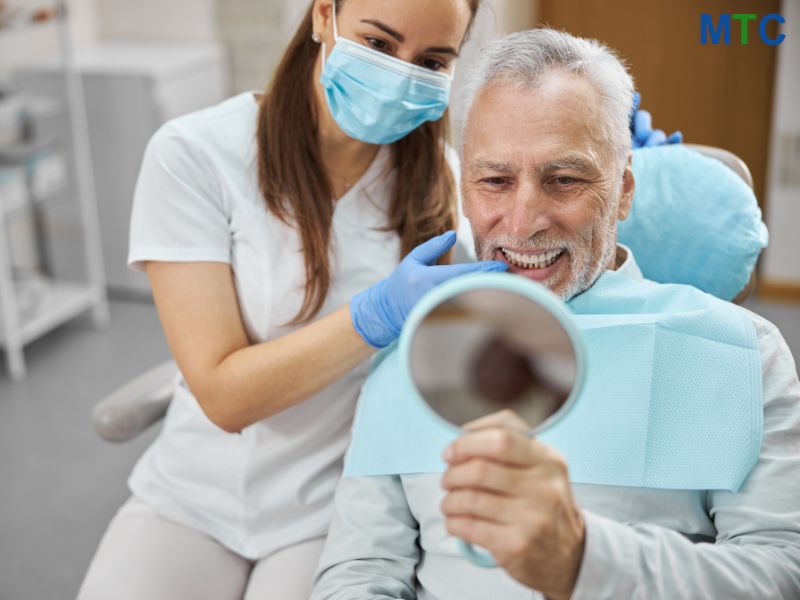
x=517, y=546
x=454, y=526
x=502, y=441
x=481, y=470
x=562, y=469
x=541, y=527
x=477, y=502
x=560, y=462
x=465, y=501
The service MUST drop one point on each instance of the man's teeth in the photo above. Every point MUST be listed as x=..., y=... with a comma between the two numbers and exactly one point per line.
x=532, y=261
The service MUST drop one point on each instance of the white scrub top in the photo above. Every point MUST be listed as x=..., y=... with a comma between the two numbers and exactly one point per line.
x=197, y=199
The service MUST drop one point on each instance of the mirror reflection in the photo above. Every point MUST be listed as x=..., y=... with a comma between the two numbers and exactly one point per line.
x=489, y=350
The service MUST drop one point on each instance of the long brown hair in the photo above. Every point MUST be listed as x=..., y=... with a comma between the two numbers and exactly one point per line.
x=297, y=190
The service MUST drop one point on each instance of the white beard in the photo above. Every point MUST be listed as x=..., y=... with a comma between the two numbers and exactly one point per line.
x=579, y=253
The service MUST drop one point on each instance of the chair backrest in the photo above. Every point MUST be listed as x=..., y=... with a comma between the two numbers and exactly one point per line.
x=695, y=219
x=729, y=159
x=738, y=166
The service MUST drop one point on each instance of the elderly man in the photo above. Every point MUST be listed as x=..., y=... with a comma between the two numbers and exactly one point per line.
x=546, y=176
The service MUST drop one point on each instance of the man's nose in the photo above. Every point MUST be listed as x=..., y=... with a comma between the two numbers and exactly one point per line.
x=529, y=212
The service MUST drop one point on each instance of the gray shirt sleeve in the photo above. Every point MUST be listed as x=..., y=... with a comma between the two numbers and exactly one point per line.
x=373, y=544
x=372, y=548
x=757, y=549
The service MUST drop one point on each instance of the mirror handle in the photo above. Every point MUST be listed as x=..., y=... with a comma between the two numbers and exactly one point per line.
x=477, y=557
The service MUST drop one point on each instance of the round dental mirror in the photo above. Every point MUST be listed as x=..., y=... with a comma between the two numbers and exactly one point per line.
x=483, y=351
x=487, y=343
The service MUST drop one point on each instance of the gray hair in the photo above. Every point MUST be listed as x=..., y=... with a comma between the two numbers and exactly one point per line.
x=524, y=59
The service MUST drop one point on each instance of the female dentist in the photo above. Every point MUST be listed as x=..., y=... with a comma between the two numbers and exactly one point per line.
x=271, y=228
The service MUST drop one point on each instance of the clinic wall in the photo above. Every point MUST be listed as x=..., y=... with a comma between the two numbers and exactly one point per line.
x=18, y=47
x=92, y=20
x=780, y=270
x=189, y=20
x=255, y=33
x=495, y=19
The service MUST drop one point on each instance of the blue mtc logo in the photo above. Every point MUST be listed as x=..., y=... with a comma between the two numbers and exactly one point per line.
x=722, y=29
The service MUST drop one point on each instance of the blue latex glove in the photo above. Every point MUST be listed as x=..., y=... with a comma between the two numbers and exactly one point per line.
x=379, y=312
x=642, y=128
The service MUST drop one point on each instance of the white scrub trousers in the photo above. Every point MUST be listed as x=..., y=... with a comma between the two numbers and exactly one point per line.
x=146, y=555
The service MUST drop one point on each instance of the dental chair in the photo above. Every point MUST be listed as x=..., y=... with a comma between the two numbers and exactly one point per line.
x=144, y=401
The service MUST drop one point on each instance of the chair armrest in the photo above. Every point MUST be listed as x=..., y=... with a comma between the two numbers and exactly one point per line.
x=135, y=406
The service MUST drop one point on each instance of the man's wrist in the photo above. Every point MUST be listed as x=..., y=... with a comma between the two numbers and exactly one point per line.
x=576, y=557
x=571, y=566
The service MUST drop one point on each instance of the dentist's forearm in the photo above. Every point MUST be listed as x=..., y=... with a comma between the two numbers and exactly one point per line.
x=261, y=380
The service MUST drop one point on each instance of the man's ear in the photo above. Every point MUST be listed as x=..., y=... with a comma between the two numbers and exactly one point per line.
x=466, y=205
x=628, y=187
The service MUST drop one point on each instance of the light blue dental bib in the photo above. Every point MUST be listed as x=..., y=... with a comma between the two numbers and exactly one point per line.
x=672, y=397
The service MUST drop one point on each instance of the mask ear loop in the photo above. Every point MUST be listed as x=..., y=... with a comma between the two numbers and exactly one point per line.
x=335, y=28
x=324, y=55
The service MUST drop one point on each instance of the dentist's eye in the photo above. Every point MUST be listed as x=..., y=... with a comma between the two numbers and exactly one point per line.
x=564, y=180
x=433, y=64
x=379, y=44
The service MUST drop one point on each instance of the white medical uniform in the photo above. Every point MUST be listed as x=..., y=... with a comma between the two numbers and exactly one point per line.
x=197, y=199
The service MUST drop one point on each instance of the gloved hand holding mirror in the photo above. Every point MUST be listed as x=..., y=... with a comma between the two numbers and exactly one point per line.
x=487, y=343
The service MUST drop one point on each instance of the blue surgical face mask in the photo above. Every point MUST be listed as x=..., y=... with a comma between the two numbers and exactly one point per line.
x=377, y=98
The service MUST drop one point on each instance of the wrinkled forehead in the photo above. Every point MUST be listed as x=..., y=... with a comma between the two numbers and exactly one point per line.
x=521, y=124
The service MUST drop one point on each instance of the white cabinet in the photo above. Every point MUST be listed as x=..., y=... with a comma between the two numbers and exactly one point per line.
x=131, y=88
x=37, y=171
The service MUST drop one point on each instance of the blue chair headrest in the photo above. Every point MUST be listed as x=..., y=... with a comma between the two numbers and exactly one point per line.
x=693, y=221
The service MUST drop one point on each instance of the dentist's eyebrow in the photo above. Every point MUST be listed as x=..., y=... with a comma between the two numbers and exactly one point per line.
x=442, y=50
x=386, y=29
x=401, y=38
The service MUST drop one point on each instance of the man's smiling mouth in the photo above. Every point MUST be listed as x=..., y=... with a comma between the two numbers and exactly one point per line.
x=540, y=260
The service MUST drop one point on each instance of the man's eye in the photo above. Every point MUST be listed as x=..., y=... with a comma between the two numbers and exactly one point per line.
x=564, y=180
x=433, y=64
x=495, y=180
x=379, y=44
